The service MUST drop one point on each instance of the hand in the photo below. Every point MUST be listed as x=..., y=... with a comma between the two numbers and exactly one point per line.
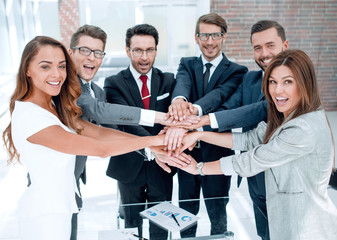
x=188, y=142
x=159, y=150
x=168, y=120
x=191, y=168
x=204, y=121
x=173, y=160
x=180, y=109
x=173, y=137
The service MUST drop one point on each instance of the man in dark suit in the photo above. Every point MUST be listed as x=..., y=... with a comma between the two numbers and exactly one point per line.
x=248, y=106
x=87, y=51
x=206, y=81
x=140, y=179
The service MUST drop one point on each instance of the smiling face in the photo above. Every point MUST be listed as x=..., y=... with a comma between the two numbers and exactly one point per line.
x=87, y=66
x=142, y=64
x=284, y=90
x=267, y=44
x=47, y=71
x=210, y=48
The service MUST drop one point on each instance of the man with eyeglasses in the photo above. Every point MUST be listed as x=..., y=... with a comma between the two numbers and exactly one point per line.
x=87, y=46
x=203, y=84
x=140, y=179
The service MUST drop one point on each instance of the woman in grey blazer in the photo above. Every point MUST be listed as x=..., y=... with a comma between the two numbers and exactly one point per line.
x=295, y=149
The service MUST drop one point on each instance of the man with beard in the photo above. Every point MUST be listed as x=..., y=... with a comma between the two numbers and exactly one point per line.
x=248, y=106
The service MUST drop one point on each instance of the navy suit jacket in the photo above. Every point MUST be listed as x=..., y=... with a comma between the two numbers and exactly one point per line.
x=123, y=89
x=246, y=107
x=223, y=82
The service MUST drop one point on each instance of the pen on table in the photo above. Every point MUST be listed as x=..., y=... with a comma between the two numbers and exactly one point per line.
x=174, y=218
x=139, y=237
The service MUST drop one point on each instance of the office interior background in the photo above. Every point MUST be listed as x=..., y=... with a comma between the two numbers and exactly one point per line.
x=310, y=26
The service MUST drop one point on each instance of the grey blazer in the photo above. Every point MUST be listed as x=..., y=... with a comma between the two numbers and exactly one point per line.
x=98, y=110
x=297, y=162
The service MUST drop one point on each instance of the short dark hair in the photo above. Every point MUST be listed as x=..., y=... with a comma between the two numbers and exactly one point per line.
x=267, y=24
x=141, y=29
x=88, y=30
x=211, y=18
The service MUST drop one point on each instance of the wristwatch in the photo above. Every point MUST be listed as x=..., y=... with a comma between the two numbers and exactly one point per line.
x=199, y=167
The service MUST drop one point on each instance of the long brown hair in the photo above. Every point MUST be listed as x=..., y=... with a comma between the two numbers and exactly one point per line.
x=65, y=102
x=304, y=73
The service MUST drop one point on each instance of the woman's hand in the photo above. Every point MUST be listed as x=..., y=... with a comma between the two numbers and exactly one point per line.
x=179, y=161
x=191, y=168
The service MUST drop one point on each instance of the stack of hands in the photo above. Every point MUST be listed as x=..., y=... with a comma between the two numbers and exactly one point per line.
x=179, y=134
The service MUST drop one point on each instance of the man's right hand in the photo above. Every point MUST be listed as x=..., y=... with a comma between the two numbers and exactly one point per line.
x=180, y=109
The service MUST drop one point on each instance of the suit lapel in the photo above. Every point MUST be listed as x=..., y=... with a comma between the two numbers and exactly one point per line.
x=221, y=68
x=133, y=88
x=155, y=82
x=261, y=96
x=199, y=76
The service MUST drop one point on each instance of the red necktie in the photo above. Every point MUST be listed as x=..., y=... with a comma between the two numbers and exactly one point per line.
x=145, y=92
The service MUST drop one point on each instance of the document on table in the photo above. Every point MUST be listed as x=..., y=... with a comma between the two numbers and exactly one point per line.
x=169, y=217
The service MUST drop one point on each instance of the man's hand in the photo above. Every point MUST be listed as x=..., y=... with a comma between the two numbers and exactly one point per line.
x=180, y=109
x=204, y=121
x=180, y=161
x=166, y=120
x=188, y=142
x=173, y=137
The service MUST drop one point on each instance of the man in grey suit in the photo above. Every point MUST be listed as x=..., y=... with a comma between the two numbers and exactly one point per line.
x=87, y=47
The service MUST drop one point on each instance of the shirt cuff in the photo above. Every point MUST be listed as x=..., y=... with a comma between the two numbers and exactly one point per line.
x=214, y=122
x=199, y=109
x=147, y=117
x=149, y=154
x=227, y=166
x=185, y=99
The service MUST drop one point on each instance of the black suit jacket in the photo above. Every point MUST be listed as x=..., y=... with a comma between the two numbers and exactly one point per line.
x=123, y=89
x=223, y=82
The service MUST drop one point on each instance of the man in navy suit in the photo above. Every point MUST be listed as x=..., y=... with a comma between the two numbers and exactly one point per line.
x=140, y=179
x=248, y=106
x=206, y=81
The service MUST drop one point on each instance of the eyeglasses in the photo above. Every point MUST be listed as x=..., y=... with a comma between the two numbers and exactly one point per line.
x=139, y=52
x=87, y=51
x=205, y=36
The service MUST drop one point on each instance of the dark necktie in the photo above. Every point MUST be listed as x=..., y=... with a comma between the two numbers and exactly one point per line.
x=87, y=87
x=145, y=92
x=206, y=75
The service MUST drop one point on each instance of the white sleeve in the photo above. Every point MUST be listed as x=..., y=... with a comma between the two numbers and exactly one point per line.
x=34, y=120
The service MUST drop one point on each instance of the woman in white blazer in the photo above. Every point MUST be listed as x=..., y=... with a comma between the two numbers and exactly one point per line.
x=295, y=149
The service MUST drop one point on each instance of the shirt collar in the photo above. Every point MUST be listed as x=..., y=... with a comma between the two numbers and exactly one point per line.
x=136, y=74
x=84, y=82
x=215, y=62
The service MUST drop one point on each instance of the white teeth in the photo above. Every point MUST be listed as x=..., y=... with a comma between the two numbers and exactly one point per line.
x=54, y=83
x=281, y=98
x=267, y=61
x=88, y=66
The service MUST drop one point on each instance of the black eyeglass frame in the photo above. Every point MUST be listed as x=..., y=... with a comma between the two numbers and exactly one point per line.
x=97, y=53
x=140, y=52
x=209, y=34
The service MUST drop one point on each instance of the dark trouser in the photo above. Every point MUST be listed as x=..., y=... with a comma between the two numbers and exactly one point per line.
x=73, y=235
x=257, y=192
x=151, y=185
x=216, y=186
